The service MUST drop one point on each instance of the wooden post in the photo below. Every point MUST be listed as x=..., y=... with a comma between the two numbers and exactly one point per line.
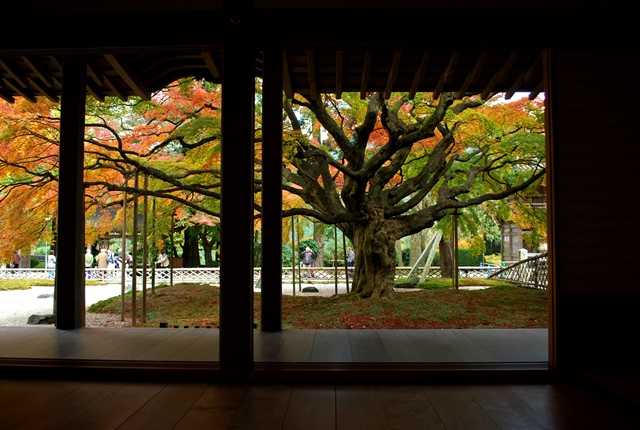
x=335, y=256
x=134, y=252
x=69, y=294
x=123, y=251
x=236, y=233
x=145, y=259
x=293, y=254
x=271, y=270
x=455, y=249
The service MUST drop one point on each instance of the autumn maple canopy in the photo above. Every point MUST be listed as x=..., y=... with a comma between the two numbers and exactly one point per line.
x=380, y=169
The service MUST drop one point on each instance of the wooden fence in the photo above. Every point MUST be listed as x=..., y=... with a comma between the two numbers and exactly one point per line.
x=530, y=273
x=212, y=274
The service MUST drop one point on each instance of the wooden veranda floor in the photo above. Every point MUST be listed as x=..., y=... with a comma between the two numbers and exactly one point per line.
x=193, y=352
x=103, y=378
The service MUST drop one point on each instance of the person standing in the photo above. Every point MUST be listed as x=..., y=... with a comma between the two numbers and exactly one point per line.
x=163, y=260
x=88, y=259
x=51, y=263
x=111, y=262
x=102, y=259
x=88, y=262
x=308, y=257
x=351, y=261
x=16, y=260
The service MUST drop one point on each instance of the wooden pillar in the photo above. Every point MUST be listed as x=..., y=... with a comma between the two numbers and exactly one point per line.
x=69, y=283
x=272, y=192
x=236, y=233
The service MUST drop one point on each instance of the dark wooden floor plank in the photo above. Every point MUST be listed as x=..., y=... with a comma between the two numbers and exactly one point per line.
x=462, y=343
x=493, y=342
x=31, y=343
x=331, y=346
x=367, y=347
x=58, y=414
x=457, y=409
x=312, y=407
x=202, y=348
x=522, y=347
x=166, y=408
x=14, y=339
x=11, y=390
x=138, y=342
x=266, y=345
x=45, y=393
x=263, y=408
x=360, y=407
x=399, y=346
x=215, y=408
x=297, y=347
x=105, y=341
x=591, y=409
x=167, y=348
x=507, y=409
x=431, y=348
x=51, y=404
x=118, y=407
x=407, y=407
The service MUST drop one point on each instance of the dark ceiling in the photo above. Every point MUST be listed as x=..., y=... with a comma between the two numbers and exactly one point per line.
x=311, y=72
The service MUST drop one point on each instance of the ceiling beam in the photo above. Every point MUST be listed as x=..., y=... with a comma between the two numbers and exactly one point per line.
x=471, y=77
x=21, y=91
x=311, y=74
x=93, y=90
x=6, y=97
x=419, y=75
x=13, y=74
x=366, y=72
x=37, y=71
x=339, y=66
x=499, y=75
x=536, y=90
x=47, y=92
x=393, y=74
x=286, y=78
x=211, y=64
x=133, y=81
x=445, y=76
x=115, y=89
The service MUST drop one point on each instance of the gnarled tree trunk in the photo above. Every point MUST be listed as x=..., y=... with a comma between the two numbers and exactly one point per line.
x=375, y=265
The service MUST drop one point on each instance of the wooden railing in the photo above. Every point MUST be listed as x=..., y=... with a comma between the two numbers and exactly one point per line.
x=530, y=273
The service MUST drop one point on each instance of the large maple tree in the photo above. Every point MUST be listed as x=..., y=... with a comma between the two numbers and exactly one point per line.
x=171, y=143
x=391, y=168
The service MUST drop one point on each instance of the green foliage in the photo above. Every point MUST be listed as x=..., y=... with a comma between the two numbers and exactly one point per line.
x=465, y=258
x=311, y=244
x=286, y=255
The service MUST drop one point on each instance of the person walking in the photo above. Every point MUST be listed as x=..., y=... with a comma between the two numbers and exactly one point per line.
x=308, y=257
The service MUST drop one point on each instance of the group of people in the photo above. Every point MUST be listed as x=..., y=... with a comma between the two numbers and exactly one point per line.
x=308, y=258
x=107, y=259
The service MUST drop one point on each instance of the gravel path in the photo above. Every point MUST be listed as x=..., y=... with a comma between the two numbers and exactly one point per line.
x=16, y=306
